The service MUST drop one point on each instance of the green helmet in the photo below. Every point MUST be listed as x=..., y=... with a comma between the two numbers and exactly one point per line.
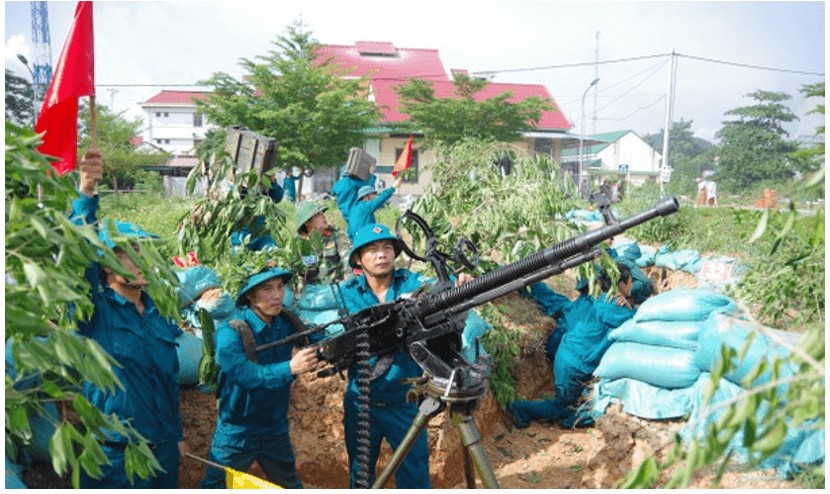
x=372, y=233
x=260, y=277
x=306, y=211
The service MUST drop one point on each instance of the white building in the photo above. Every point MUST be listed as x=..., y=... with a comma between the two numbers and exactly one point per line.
x=614, y=155
x=173, y=124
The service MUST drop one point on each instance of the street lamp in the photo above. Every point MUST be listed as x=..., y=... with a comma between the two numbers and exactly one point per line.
x=34, y=90
x=582, y=134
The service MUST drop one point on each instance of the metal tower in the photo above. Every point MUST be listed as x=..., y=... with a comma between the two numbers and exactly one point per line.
x=42, y=46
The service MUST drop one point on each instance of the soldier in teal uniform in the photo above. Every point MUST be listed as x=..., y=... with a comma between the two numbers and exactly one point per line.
x=254, y=387
x=126, y=324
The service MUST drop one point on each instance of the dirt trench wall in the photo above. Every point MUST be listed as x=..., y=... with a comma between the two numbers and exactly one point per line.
x=316, y=417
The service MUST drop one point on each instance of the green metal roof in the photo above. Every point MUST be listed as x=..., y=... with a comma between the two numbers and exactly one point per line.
x=607, y=138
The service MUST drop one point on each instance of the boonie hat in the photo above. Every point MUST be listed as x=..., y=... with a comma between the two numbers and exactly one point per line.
x=122, y=228
x=365, y=191
x=306, y=211
x=260, y=277
x=372, y=233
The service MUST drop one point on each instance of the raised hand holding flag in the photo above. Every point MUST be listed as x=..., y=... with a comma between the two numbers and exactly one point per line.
x=73, y=77
x=405, y=159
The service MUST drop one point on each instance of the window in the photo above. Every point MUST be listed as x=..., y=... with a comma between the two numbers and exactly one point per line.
x=158, y=114
x=166, y=114
x=412, y=173
x=197, y=119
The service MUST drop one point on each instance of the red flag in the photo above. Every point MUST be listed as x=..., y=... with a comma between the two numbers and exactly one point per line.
x=73, y=77
x=405, y=159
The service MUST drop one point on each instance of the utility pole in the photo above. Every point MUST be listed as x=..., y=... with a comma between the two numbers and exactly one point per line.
x=665, y=170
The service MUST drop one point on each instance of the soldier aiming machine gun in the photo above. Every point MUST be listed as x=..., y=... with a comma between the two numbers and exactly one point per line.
x=429, y=326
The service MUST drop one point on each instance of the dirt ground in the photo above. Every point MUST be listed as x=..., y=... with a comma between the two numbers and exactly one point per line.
x=543, y=456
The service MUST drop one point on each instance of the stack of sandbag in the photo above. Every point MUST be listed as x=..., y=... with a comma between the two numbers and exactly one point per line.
x=802, y=444
x=682, y=260
x=659, y=364
x=657, y=346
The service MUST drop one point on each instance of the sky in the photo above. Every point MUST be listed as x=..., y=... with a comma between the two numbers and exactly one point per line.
x=725, y=50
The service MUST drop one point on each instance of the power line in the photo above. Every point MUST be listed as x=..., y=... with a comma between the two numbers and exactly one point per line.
x=749, y=66
x=660, y=98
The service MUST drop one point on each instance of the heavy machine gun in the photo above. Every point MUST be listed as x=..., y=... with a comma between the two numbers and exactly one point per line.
x=429, y=325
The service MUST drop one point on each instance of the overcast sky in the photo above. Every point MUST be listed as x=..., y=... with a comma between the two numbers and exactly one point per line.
x=725, y=49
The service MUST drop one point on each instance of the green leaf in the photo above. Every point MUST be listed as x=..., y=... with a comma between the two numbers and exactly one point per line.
x=762, y=227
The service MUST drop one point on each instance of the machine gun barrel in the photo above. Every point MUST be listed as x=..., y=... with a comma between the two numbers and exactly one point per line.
x=449, y=301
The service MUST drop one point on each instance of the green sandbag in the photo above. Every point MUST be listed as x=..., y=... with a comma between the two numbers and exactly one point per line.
x=683, y=304
x=674, y=334
x=189, y=352
x=669, y=368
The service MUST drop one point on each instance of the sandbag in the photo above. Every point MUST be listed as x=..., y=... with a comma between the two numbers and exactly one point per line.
x=189, y=351
x=644, y=400
x=733, y=332
x=317, y=297
x=674, y=334
x=669, y=368
x=687, y=260
x=319, y=317
x=474, y=328
x=683, y=304
x=647, y=256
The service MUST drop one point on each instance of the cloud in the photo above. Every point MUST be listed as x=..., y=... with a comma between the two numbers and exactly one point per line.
x=18, y=44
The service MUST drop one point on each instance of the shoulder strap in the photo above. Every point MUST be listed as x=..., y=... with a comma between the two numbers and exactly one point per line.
x=294, y=319
x=247, y=335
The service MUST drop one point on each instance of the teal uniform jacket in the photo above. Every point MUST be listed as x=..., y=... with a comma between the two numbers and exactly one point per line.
x=363, y=212
x=585, y=343
x=144, y=346
x=358, y=296
x=290, y=188
x=345, y=191
x=258, y=243
x=254, y=396
x=391, y=416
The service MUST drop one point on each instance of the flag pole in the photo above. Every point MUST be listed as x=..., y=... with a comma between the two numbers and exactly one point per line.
x=93, y=132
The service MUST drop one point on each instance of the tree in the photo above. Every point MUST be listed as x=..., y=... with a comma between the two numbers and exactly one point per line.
x=45, y=293
x=19, y=105
x=114, y=141
x=451, y=120
x=815, y=153
x=753, y=147
x=303, y=102
x=688, y=155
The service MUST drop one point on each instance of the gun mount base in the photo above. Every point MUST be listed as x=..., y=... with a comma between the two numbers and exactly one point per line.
x=434, y=396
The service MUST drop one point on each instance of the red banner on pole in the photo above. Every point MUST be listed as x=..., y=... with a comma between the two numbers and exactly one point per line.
x=405, y=159
x=73, y=77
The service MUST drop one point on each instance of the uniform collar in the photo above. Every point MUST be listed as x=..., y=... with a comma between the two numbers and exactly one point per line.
x=253, y=320
x=363, y=285
x=149, y=306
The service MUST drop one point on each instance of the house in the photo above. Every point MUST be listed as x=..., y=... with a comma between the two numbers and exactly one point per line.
x=175, y=126
x=615, y=155
x=387, y=66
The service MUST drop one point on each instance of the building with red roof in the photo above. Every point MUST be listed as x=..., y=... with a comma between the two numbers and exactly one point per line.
x=173, y=124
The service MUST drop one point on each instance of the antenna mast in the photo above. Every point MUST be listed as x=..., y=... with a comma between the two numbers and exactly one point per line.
x=42, y=44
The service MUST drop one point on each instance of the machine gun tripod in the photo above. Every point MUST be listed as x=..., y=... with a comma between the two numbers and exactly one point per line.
x=460, y=393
